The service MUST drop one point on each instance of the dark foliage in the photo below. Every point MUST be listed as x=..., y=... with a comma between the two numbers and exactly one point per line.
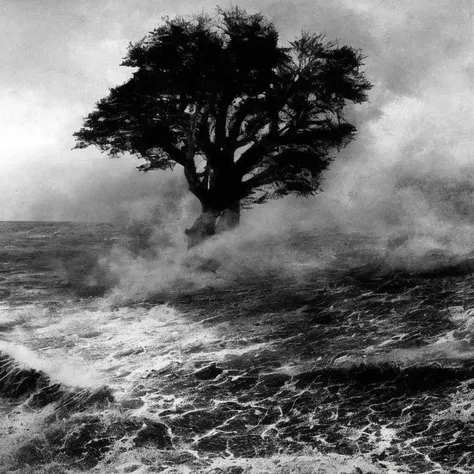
x=247, y=119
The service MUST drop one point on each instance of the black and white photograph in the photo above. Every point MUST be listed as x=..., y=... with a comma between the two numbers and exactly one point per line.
x=237, y=237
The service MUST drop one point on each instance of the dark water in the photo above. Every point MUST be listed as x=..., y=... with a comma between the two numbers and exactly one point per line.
x=47, y=261
x=356, y=358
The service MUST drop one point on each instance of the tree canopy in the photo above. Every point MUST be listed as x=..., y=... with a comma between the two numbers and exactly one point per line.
x=247, y=119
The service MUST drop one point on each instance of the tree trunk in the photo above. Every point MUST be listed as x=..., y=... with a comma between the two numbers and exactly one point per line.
x=229, y=219
x=211, y=222
x=203, y=228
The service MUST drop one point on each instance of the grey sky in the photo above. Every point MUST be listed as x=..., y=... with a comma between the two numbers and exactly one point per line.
x=59, y=57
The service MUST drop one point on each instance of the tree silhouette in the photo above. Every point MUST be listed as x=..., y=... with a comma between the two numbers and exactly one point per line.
x=247, y=119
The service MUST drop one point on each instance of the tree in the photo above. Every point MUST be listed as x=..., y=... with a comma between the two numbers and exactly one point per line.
x=247, y=119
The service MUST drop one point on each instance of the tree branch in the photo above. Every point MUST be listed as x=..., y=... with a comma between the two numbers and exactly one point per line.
x=221, y=123
x=253, y=156
x=195, y=185
x=204, y=133
x=239, y=118
x=175, y=154
x=261, y=179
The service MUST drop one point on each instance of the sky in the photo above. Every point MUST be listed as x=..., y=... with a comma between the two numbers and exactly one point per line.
x=411, y=165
